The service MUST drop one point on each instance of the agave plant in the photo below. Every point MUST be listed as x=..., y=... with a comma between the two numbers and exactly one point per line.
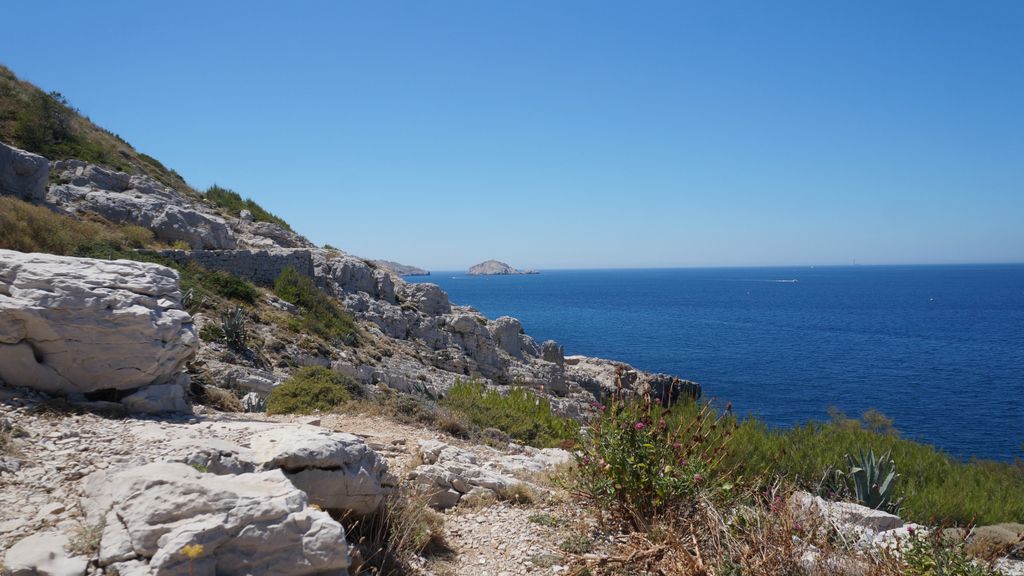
x=253, y=402
x=233, y=323
x=872, y=480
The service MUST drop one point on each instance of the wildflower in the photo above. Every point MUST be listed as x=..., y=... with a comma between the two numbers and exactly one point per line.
x=192, y=551
x=678, y=446
x=911, y=530
x=586, y=460
x=698, y=478
x=639, y=426
x=798, y=527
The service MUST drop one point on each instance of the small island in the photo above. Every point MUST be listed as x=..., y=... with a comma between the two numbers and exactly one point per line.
x=496, y=268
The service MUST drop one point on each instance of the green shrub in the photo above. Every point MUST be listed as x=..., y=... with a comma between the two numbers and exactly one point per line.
x=211, y=333
x=234, y=203
x=936, y=555
x=225, y=285
x=640, y=460
x=311, y=388
x=520, y=413
x=321, y=315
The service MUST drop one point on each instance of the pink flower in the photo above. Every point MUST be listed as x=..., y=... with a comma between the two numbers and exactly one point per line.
x=698, y=478
x=639, y=426
x=911, y=530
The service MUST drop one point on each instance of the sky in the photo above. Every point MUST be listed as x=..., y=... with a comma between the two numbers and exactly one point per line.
x=572, y=134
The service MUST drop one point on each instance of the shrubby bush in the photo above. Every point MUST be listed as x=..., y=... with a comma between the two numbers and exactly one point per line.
x=640, y=460
x=234, y=203
x=520, y=413
x=321, y=315
x=312, y=388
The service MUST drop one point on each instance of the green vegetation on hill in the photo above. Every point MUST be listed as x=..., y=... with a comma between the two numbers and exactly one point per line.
x=47, y=124
x=520, y=413
x=234, y=203
x=321, y=314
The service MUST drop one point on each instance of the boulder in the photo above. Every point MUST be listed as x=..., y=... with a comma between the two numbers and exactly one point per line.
x=429, y=299
x=506, y=331
x=338, y=471
x=77, y=325
x=255, y=523
x=23, y=174
x=846, y=516
x=552, y=351
x=44, y=554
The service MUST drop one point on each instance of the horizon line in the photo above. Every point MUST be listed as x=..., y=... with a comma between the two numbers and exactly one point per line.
x=738, y=266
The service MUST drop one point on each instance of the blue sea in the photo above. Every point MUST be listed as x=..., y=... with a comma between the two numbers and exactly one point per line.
x=940, y=349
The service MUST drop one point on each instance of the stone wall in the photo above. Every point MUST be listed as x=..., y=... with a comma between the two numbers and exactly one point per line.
x=259, y=266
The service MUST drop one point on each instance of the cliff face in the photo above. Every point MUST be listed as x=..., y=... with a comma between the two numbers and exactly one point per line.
x=496, y=268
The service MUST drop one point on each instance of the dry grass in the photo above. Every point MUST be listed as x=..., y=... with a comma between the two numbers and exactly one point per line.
x=221, y=399
x=519, y=493
x=85, y=539
x=26, y=227
x=402, y=528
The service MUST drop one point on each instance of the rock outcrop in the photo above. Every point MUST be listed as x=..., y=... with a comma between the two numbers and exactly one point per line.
x=138, y=200
x=496, y=268
x=78, y=325
x=22, y=174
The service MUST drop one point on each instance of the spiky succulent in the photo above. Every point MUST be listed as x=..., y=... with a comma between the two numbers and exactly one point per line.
x=873, y=480
x=233, y=323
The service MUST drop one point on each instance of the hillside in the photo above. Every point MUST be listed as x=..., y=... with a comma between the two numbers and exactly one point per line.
x=189, y=386
x=48, y=125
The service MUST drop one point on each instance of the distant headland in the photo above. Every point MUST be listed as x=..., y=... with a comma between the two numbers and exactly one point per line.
x=496, y=268
x=402, y=269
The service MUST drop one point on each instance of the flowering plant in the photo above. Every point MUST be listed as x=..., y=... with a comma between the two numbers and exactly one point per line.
x=640, y=458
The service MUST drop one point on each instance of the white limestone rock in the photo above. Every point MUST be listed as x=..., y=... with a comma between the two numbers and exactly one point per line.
x=138, y=200
x=77, y=325
x=846, y=516
x=338, y=471
x=44, y=554
x=429, y=299
x=256, y=523
x=22, y=174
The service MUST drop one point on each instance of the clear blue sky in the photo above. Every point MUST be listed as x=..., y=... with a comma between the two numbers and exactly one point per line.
x=554, y=134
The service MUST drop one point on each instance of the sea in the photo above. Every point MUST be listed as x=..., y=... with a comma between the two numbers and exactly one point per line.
x=939, y=349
